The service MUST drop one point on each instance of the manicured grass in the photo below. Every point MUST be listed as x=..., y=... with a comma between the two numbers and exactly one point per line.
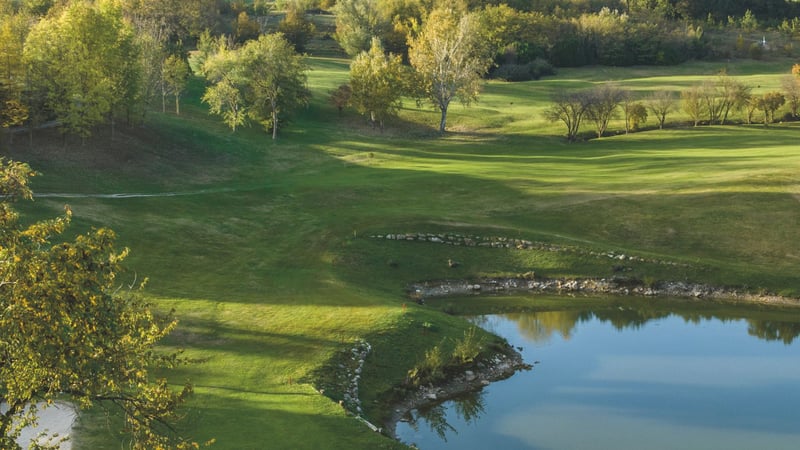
x=268, y=259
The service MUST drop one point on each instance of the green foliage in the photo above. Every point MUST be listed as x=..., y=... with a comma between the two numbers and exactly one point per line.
x=357, y=22
x=84, y=62
x=430, y=369
x=636, y=114
x=377, y=83
x=466, y=350
x=263, y=80
x=174, y=75
x=296, y=28
x=245, y=28
x=67, y=330
x=449, y=58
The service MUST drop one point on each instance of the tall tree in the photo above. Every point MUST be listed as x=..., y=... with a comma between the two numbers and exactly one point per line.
x=174, y=75
x=376, y=83
x=449, y=58
x=85, y=62
x=265, y=77
x=296, y=28
x=67, y=330
x=357, y=22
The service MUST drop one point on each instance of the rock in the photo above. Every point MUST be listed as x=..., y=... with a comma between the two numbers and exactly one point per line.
x=470, y=375
x=430, y=396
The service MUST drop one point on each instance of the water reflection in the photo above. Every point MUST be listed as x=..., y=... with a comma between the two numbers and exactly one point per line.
x=541, y=326
x=467, y=408
x=626, y=377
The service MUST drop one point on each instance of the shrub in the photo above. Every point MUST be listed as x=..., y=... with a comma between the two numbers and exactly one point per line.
x=468, y=348
x=524, y=72
x=430, y=369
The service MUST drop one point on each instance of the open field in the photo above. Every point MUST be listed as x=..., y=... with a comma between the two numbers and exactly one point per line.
x=264, y=248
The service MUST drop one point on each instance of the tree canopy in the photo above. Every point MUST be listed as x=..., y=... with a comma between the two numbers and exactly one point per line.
x=263, y=80
x=449, y=58
x=70, y=328
x=376, y=83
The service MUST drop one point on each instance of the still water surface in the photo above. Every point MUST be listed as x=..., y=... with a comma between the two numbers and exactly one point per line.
x=624, y=379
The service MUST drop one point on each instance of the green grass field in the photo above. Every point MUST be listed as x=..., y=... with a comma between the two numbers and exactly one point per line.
x=266, y=257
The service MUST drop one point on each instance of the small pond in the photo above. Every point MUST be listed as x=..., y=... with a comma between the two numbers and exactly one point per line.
x=624, y=377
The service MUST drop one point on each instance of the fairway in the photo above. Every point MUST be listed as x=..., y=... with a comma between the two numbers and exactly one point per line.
x=264, y=248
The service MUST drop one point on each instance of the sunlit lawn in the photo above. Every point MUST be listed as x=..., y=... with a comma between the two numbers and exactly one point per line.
x=268, y=262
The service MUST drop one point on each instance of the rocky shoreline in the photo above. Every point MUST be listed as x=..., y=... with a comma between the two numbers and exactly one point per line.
x=498, y=367
x=608, y=286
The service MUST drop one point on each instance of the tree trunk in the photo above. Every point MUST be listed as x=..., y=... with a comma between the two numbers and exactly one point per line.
x=443, y=120
x=177, y=105
x=274, y=121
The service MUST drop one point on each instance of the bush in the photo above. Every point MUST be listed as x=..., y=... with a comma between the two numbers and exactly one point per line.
x=467, y=349
x=524, y=72
x=756, y=51
x=431, y=369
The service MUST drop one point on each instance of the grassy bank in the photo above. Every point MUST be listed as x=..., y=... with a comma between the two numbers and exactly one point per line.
x=267, y=257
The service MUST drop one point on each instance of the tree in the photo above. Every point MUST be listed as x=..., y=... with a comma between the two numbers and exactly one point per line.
x=711, y=100
x=376, y=83
x=263, y=80
x=569, y=108
x=68, y=330
x=769, y=103
x=357, y=22
x=245, y=28
x=84, y=62
x=174, y=75
x=693, y=105
x=340, y=97
x=602, y=104
x=449, y=58
x=791, y=90
x=733, y=96
x=661, y=103
x=635, y=114
x=296, y=28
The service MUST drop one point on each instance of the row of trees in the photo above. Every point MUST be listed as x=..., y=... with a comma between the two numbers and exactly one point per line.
x=85, y=63
x=447, y=60
x=712, y=102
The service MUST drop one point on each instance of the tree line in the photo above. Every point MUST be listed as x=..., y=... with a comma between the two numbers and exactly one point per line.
x=714, y=101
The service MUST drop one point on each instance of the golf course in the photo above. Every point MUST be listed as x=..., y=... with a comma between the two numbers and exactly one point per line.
x=272, y=253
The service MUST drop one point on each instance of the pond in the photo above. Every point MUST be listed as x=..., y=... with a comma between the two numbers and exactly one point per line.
x=623, y=377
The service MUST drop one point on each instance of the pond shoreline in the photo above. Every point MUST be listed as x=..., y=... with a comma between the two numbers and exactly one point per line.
x=499, y=366
x=612, y=286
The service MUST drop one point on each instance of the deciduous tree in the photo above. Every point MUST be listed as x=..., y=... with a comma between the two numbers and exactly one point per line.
x=263, y=80
x=661, y=103
x=296, y=28
x=569, y=108
x=174, y=75
x=791, y=90
x=67, y=329
x=449, y=58
x=693, y=105
x=85, y=62
x=376, y=83
x=357, y=22
x=602, y=105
